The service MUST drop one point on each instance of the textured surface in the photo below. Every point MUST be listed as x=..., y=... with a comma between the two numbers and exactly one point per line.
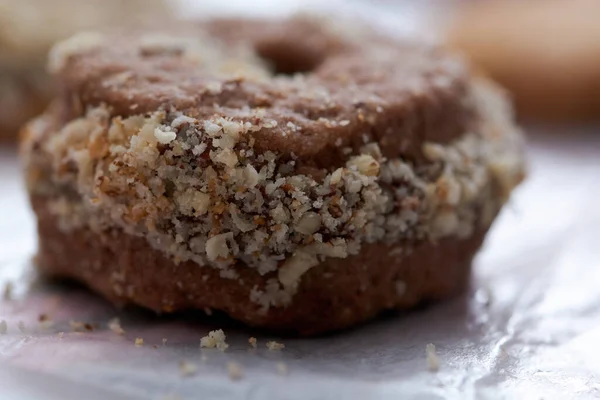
x=528, y=329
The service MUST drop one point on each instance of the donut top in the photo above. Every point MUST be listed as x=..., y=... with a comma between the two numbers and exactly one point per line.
x=314, y=87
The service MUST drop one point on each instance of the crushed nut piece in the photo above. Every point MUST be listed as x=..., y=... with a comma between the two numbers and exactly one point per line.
x=273, y=345
x=282, y=368
x=433, y=362
x=214, y=339
x=235, y=370
x=187, y=368
x=115, y=326
x=139, y=342
x=252, y=342
x=164, y=341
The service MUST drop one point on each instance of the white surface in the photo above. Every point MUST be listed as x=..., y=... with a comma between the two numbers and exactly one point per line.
x=528, y=329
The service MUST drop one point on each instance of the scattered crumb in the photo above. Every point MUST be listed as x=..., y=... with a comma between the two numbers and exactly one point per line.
x=21, y=326
x=282, y=368
x=43, y=317
x=139, y=342
x=252, y=342
x=214, y=339
x=208, y=311
x=115, y=326
x=77, y=326
x=235, y=370
x=60, y=335
x=164, y=341
x=3, y=327
x=273, y=345
x=8, y=290
x=433, y=362
x=187, y=368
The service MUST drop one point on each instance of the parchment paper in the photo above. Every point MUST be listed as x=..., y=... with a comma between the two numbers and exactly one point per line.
x=529, y=327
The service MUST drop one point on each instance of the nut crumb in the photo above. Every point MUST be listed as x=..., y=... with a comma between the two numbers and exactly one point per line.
x=208, y=311
x=252, y=342
x=3, y=327
x=115, y=326
x=21, y=326
x=164, y=341
x=273, y=345
x=282, y=368
x=433, y=362
x=214, y=339
x=187, y=368
x=235, y=370
x=139, y=342
x=60, y=335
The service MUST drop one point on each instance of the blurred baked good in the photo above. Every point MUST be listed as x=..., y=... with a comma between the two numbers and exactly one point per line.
x=296, y=174
x=547, y=53
x=27, y=30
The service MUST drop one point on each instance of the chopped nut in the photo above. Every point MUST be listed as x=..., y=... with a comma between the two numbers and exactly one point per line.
x=214, y=339
x=187, y=369
x=164, y=341
x=164, y=137
x=139, y=342
x=433, y=362
x=252, y=342
x=61, y=335
x=235, y=370
x=282, y=368
x=273, y=345
x=115, y=326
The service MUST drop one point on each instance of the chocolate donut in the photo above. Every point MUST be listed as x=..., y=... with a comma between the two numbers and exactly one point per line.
x=300, y=175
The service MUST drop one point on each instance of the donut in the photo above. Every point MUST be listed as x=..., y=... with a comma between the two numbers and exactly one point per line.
x=28, y=28
x=300, y=175
x=546, y=54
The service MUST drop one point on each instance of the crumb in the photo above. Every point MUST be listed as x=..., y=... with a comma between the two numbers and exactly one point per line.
x=139, y=342
x=252, y=342
x=154, y=346
x=235, y=370
x=60, y=335
x=77, y=326
x=273, y=345
x=115, y=326
x=214, y=339
x=3, y=327
x=43, y=317
x=164, y=341
x=208, y=311
x=187, y=368
x=433, y=362
x=8, y=290
x=282, y=368
x=21, y=326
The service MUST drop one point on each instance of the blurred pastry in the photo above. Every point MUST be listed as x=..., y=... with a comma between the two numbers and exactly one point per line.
x=29, y=27
x=547, y=53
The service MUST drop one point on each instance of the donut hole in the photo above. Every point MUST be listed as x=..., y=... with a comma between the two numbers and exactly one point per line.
x=286, y=58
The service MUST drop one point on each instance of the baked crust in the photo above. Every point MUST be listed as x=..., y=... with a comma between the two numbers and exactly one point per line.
x=336, y=294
